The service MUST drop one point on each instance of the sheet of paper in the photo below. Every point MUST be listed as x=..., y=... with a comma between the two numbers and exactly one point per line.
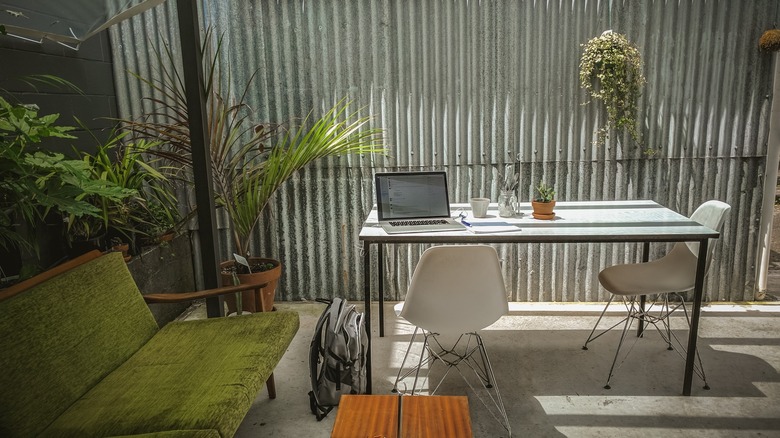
x=492, y=227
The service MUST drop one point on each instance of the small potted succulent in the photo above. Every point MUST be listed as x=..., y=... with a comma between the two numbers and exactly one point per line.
x=544, y=202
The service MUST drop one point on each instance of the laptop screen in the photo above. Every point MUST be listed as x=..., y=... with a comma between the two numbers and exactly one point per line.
x=412, y=195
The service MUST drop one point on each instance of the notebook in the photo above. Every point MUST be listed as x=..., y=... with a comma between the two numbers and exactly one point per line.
x=414, y=202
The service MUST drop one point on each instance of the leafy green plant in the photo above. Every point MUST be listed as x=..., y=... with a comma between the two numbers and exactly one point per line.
x=36, y=182
x=126, y=165
x=611, y=71
x=161, y=218
x=544, y=193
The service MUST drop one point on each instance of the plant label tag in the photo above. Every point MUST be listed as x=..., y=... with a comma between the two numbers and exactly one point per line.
x=242, y=261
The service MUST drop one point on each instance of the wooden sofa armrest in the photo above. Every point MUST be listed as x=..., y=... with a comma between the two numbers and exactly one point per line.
x=208, y=293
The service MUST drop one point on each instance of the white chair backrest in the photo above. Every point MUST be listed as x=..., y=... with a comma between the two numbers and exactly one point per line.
x=456, y=289
x=711, y=214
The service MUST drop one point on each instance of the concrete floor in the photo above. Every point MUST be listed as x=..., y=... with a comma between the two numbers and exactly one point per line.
x=551, y=387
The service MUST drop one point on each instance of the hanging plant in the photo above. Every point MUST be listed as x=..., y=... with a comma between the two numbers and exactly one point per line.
x=611, y=71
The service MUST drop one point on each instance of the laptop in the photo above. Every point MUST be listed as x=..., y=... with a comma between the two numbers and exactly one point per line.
x=414, y=202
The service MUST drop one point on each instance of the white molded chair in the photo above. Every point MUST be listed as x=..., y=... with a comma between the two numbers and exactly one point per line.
x=667, y=277
x=456, y=290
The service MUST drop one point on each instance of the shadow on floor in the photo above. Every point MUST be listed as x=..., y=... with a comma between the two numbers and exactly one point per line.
x=551, y=387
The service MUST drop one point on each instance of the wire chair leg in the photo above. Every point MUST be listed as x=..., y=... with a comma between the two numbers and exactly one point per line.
x=488, y=366
x=666, y=314
x=626, y=329
x=590, y=336
x=419, y=364
x=403, y=362
x=488, y=369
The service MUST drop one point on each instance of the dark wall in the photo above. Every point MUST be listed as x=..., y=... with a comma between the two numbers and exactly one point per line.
x=91, y=70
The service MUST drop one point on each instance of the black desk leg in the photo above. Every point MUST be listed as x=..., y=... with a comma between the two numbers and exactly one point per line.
x=367, y=308
x=640, y=329
x=381, y=286
x=693, y=334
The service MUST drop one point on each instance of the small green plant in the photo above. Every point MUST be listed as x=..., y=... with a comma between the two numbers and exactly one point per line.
x=611, y=71
x=544, y=193
x=160, y=219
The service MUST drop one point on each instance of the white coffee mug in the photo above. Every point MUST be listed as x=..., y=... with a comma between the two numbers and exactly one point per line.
x=479, y=206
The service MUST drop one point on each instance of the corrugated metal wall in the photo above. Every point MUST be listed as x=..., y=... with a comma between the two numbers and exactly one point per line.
x=469, y=86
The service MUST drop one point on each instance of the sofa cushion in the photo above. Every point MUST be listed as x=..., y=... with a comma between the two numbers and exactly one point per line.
x=63, y=336
x=201, y=374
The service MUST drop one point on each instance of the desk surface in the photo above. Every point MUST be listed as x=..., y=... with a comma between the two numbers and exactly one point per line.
x=584, y=221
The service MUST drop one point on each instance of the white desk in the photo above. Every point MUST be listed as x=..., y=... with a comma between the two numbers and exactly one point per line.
x=591, y=221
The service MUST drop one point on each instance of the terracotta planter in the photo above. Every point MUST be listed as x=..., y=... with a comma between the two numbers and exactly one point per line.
x=268, y=279
x=543, y=210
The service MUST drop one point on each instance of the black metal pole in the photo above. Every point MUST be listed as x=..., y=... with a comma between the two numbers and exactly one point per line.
x=381, y=286
x=640, y=328
x=367, y=309
x=189, y=32
x=693, y=333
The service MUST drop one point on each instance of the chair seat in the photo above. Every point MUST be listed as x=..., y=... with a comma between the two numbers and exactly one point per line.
x=675, y=272
x=398, y=308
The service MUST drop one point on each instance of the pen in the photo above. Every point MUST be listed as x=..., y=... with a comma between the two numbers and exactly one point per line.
x=463, y=221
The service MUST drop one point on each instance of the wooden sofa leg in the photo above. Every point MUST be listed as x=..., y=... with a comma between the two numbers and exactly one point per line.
x=271, y=385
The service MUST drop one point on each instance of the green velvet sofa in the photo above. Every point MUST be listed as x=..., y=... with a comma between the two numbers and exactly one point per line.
x=82, y=356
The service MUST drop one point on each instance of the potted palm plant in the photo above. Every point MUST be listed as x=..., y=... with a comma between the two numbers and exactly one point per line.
x=544, y=202
x=246, y=171
x=338, y=132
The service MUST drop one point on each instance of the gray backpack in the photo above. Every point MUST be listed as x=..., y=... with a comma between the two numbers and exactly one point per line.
x=337, y=356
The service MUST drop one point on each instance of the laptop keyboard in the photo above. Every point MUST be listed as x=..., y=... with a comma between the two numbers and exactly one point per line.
x=418, y=222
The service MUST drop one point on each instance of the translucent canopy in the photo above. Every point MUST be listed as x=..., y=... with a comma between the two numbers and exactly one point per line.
x=68, y=22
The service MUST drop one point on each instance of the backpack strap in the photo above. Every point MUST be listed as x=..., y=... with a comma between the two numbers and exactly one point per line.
x=315, y=352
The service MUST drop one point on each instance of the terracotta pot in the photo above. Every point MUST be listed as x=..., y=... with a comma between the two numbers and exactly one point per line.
x=267, y=278
x=543, y=210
